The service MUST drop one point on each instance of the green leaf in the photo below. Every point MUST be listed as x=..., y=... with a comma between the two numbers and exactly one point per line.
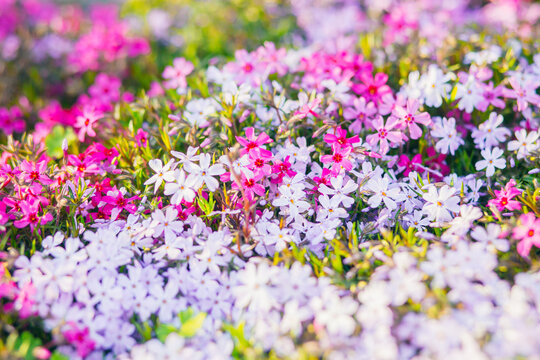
x=55, y=138
x=163, y=330
x=191, y=326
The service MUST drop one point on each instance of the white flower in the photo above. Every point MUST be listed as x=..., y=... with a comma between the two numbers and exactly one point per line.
x=491, y=237
x=187, y=158
x=382, y=193
x=206, y=172
x=341, y=189
x=166, y=223
x=198, y=110
x=525, y=143
x=434, y=86
x=292, y=200
x=492, y=160
x=182, y=188
x=417, y=220
x=330, y=208
x=489, y=133
x=440, y=204
x=233, y=94
x=470, y=94
x=445, y=129
x=162, y=173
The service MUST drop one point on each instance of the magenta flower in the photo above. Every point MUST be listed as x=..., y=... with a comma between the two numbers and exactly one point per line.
x=528, y=232
x=410, y=117
x=339, y=159
x=116, y=200
x=31, y=172
x=372, y=88
x=80, y=339
x=524, y=94
x=504, y=197
x=253, y=144
x=11, y=120
x=141, y=138
x=410, y=165
x=339, y=139
x=176, y=74
x=85, y=122
x=385, y=135
x=250, y=186
x=282, y=168
x=23, y=302
x=259, y=163
x=30, y=215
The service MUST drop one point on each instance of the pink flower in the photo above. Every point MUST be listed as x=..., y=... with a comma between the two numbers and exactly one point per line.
x=409, y=165
x=176, y=74
x=35, y=172
x=504, y=197
x=528, y=232
x=339, y=139
x=23, y=303
x=85, y=123
x=30, y=215
x=372, y=88
x=307, y=107
x=106, y=89
x=250, y=186
x=436, y=162
x=253, y=144
x=339, y=160
x=282, y=168
x=410, y=117
x=384, y=135
x=80, y=339
x=491, y=97
x=141, y=138
x=11, y=120
x=115, y=200
x=259, y=163
x=361, y=112
x=524, y=94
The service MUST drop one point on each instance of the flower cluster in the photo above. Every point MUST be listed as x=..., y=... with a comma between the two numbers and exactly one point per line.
x=370, y=196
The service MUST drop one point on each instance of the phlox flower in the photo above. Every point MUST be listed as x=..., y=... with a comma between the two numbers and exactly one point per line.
x=503, y=200
x=385, y=136
x=360, y=113
x=491, y=237
x=141, y=137
x=30, y=216
x=115, y=199
x=373, y=88
x=417, y=220
x=163, y=173
x=175, y=75
x=340, y=189
x=380, y=186
x=434, y=86
x=525, y=143
x=410, y=164
x=489, y=133
x=492, y=160
x=450, y=140
x=166, y=223
x=250, y=185
x=339, y=160
x=35, y=171
x=252, y=288
x=293, y=200
x=469, y=94
x=259, y=164
x=205, y=172
x=86, y=121
x=491, y=96
x=528, y=232
x=307, y=107
x=80, y=338
x=440, y=204
x=329, y=208
x=523, y=93
x=252, y=142
x=182, y=188
x=409, y=117
x=339, y=139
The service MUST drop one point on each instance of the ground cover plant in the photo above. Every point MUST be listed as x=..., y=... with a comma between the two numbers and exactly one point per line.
x=337, y=180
